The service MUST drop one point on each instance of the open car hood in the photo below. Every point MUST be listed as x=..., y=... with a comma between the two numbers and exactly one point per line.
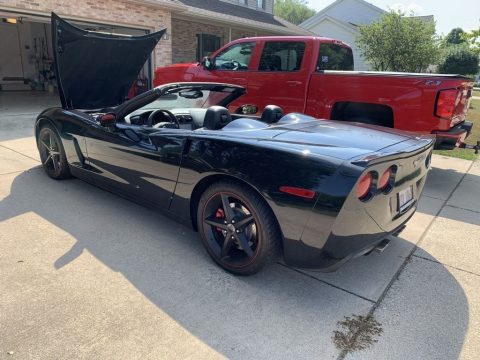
x=96, y=70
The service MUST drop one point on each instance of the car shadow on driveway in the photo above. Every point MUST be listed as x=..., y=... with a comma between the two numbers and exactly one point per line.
x=278, y=313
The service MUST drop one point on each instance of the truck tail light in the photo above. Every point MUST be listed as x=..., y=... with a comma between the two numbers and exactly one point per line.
x=364, y=186
x=446, y=102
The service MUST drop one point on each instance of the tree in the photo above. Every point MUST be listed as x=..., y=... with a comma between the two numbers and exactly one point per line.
x=455, y=36
x=459, y=59
x=294, y=11
x=399, y=43
x=473, y=40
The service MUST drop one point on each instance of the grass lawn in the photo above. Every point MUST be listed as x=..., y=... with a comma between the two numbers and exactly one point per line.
x=473, y=115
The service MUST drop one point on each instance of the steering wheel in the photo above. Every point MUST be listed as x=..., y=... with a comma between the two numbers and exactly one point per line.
x=231, y=65
x=236, y=64
x=172, y=119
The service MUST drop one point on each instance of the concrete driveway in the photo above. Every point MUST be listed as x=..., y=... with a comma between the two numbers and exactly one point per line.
x=86, y=274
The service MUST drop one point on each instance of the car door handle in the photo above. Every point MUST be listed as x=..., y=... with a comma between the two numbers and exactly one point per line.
x=240, y=81
x=294, y=83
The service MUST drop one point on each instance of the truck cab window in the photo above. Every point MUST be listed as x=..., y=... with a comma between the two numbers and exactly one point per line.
x=236, y=57
x=334, y=57
x=282, y=56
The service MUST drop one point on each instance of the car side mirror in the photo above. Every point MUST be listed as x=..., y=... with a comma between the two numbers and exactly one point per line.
x=207, y=63
x=108, y=119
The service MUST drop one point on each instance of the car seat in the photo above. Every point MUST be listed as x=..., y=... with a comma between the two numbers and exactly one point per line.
x=216, y=118
x=271, y=114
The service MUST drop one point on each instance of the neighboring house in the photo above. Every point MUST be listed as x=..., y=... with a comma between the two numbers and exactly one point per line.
x=340, y=21
x=194, y=29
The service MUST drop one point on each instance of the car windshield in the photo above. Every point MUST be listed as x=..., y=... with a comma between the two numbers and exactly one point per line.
x=188, y=98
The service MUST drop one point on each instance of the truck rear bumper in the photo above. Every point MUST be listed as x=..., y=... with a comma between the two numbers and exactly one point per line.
x=455, y=137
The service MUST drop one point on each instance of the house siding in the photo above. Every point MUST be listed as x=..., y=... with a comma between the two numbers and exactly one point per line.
x=253, y=4
x=329, y=29
x=355, y=12
x=351, y=13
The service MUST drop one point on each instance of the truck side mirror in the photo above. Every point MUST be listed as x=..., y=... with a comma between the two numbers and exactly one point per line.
x=207, y=63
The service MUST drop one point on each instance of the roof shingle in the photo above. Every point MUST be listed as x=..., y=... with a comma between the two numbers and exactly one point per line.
x=233, y=10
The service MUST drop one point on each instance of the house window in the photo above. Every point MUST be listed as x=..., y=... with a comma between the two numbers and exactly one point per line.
x=206, y=44
x=282, y=56
x=334, y=57
x=235, y=57
x=261, y=4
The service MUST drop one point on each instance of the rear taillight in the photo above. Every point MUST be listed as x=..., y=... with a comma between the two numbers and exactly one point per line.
x=372, y=183
x=384, y=180
x=447, y=100
x=364, y=186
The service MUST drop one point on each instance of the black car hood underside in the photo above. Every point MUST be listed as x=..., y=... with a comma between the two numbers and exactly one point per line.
x=96, y=70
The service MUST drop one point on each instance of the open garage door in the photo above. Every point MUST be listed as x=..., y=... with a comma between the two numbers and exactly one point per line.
x=26, y=57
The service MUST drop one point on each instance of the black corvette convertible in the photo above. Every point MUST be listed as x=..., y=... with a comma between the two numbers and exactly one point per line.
x=316, y=192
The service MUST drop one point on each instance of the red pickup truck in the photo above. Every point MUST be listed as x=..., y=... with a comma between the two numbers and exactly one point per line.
x=314, y=76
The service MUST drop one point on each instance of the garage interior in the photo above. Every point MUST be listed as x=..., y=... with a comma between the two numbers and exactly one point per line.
x=26, y=60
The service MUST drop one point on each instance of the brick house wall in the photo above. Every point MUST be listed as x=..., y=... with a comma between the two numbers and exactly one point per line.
x=119, y=12
x=184, y=37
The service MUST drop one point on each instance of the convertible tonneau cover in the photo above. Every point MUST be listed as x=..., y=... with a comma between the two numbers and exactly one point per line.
x=96, y=70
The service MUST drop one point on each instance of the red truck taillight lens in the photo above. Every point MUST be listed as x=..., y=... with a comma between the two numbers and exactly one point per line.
x=447, y=100
x=364, y=186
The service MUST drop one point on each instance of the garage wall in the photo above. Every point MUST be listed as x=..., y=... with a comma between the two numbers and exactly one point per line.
x=18, y=54
x=113, y=11
x=10, y=64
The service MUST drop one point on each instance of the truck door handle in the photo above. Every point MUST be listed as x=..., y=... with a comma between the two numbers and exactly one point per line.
x=294, y=83
x=240, y=81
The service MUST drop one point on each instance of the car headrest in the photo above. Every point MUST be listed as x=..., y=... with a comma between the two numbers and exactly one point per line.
x=271, y=114
x=216, y=118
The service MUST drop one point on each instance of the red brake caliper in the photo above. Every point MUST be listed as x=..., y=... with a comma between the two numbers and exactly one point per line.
x=220, y=214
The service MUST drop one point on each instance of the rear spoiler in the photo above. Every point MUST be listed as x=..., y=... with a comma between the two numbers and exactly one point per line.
x=397, y=151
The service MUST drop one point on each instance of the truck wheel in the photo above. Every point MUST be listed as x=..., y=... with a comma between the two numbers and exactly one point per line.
x=237, y=228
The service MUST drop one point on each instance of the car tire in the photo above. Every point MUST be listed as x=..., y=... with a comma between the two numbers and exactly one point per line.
x=52, y=153
x=238, y=228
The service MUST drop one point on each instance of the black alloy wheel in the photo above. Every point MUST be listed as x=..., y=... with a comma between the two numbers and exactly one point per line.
x=237, y=228
x=52, y=153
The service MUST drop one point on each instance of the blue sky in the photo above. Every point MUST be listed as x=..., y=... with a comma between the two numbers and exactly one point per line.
x=448, y=13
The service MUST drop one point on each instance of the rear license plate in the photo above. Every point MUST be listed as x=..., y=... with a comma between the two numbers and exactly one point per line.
x=405, y=197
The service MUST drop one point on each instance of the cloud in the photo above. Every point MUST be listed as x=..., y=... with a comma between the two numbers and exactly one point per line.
x=411, y=8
